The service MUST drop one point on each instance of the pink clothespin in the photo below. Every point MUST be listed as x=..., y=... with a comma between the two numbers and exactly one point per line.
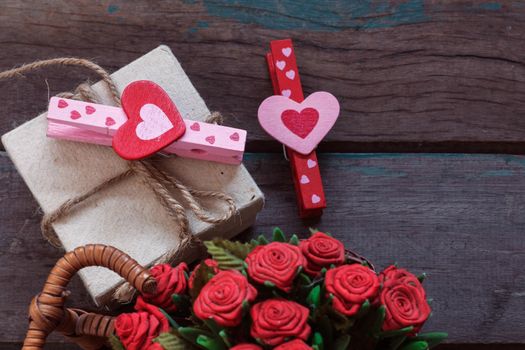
x=147, y=123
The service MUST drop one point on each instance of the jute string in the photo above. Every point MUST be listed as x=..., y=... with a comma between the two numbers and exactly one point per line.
x=159, y=181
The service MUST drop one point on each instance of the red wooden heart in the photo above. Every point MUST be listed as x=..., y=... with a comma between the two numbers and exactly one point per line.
x=153, y=123
x=300, y=123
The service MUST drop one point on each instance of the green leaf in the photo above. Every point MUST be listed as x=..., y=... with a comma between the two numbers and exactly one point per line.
x=294, y=240
x=191, y=334
x=115, y=343
x=262, y=240
x=342, y=342
x=415, y=345
x=170, y=341
x=304, y=279
x=432, y=338
x=313, y=230
x=225, y=259
x=225, y=339
x=202, y=276
x=396, y=337
x=254, y=242
x=422, y=277
x=363, y=310
x=278, y=235
x=397, y=332
x=169, y=318
x=269, y=284
x=318, y=341
x=378, y=322
x=314, y=297
x=210, y=343
x=236, y=248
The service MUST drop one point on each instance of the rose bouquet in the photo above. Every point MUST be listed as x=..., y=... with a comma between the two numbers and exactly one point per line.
x=284, y=294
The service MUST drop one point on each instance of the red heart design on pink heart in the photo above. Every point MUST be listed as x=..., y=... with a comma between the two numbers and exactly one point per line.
x=62, y=104
x=234, y=136
x=110, y=121
x=210, y=139
x=90, y=110
x=300, y=123
x=75, y=115
x=195, y=127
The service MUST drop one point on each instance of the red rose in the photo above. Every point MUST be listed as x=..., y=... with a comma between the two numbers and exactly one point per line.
x=350, y=286
x=296, y=344
x=222, y=297
x=404, y=299
x=275, y=262
x=141, y=305
x=137, y=330
x=170, y=280
x=393, y=275
x=276, y=320
x=321, y=250
x=246, y=346
x=209, y=262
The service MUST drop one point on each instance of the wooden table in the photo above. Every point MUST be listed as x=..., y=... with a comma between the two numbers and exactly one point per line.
x=423, y=167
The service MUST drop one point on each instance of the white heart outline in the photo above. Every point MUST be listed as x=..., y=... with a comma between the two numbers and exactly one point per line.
x=154, y=122
x=304, y=180
x=280, y=65
x=290, y=74
x=269, y=115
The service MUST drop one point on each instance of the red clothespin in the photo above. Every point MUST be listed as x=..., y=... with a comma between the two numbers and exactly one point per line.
x=299, y=124
x=148, y=122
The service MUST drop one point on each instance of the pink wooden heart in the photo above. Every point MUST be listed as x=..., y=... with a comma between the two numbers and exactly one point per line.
x=300, y=126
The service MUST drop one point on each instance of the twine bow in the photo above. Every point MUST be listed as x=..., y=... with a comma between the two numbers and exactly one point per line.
x=159, y=181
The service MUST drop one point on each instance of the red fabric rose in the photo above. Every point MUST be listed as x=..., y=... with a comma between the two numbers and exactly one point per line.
x=141, y=305
x=209, y=262
x=276, y=320
x=404, y=299
x=137, y=330
x=296, y=344
x=170, y=280
x=350, y=286
x=246, y=346
x=222, y=297
x=321, y=250
x=275, y=262
x=392, y=275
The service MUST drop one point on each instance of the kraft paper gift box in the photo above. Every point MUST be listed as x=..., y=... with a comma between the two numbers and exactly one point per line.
x=127, y=215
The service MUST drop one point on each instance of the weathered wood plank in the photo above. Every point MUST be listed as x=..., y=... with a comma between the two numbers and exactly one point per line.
x=457, y=217
x=412, y=75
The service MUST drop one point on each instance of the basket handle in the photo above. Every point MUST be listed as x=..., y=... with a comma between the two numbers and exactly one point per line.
x=47, y=312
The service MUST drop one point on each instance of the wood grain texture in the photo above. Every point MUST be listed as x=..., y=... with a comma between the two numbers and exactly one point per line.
x=411, y=75
x=457, y=217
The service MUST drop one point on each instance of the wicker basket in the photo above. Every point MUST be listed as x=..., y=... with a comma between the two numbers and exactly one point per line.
x=47, y=312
